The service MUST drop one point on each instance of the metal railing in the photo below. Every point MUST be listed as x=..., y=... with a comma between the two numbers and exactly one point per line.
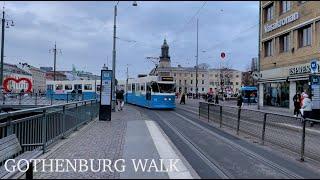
x=285, y=131
x=47, y=124
x=40, y=99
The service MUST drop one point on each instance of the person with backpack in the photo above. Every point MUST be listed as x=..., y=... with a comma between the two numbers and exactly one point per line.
x=297, y=105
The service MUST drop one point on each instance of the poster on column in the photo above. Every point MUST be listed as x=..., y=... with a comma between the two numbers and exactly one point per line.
x=105, y=97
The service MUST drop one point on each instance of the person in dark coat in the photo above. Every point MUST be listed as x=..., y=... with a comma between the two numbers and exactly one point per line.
x=217, y=99
x=297, y=104
x=183, y=99
x=239, y=100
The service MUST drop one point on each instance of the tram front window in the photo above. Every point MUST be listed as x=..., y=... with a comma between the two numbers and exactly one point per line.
x=166, y=88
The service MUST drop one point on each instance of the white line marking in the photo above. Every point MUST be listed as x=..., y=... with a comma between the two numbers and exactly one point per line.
x=166, y=152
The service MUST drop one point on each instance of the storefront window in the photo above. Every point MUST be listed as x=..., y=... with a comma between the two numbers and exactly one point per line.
x=276, y=94
x=302, y=86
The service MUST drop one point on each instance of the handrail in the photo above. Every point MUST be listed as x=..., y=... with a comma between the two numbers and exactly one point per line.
x=255, y=110
x=14, y=113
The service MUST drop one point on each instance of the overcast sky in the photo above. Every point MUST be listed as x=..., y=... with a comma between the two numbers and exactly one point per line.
x=84, y=30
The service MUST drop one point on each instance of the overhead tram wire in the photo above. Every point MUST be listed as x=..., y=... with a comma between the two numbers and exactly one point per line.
x=188, y=22
x=234, y=38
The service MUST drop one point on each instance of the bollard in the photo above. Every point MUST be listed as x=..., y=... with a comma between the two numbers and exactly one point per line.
x=303, y=139
x=51, y=98
x=238, y=123
x=220, y=116
x=264, y=127
x=4, y=99
x=44, y=131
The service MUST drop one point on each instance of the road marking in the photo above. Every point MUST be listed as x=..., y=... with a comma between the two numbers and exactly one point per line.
x=166, y=152
x=242, y=149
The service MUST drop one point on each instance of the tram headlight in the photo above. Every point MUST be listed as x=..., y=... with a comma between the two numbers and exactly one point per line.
x=165, y=99
x=169, y=99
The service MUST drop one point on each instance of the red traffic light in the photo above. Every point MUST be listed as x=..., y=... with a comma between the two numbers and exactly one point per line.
x=223, y=55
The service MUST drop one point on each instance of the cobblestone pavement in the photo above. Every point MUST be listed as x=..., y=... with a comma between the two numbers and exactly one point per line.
x=103, y=140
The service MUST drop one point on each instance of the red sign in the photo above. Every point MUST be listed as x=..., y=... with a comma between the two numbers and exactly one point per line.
x=6, y=81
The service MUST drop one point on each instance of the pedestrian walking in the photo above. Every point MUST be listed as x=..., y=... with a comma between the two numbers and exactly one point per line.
x=217, y=99
x=306, y=108
x=239, y=100
x=183, y=98
x=119, y=98
x=297, y=105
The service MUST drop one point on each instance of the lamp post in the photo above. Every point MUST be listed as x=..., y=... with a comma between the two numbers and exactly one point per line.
x=114, y=54
x=2, y=44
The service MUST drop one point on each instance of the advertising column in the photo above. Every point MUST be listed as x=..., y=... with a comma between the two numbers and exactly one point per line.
x=105, y=97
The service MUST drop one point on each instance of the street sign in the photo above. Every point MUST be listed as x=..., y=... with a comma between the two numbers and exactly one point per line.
x=314, y=66
x=105, y=95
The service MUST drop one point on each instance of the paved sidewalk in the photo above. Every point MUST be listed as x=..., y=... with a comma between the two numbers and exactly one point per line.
x=127, y=136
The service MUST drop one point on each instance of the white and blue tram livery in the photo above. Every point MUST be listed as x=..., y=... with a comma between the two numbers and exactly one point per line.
x=62, y=90
x=151, y=91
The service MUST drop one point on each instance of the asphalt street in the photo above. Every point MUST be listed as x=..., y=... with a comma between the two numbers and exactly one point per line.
x=214, y=153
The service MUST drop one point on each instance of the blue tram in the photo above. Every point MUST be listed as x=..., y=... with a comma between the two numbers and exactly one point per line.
x=84, y=89
x=249, y=91
x=151, y=91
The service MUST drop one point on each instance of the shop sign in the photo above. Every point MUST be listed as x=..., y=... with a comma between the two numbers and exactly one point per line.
x=303, y=69
x=281, y=22
x=314, y=66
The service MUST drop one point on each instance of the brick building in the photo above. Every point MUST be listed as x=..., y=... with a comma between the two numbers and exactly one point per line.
x=289, y=41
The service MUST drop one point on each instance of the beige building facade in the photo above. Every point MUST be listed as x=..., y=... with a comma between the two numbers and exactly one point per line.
x=289, y=42
x=208, y=79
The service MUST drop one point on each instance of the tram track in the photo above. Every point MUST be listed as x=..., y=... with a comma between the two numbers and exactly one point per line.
x=202, y=151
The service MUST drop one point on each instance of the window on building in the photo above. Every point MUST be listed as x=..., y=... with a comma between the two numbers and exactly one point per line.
x=174, y=74
x=88, y=87
x=202, y=81
x=216, y=75
x=202, y=89
x=190, y=81
x=190, y=89
x=304, y=36
x=142, y=87
x=285, y=6
x=268, y=12
x=68, y=87
x=191, y=75
x=268, y=48
x=237, y=76
x=237, y=83
x=202, y=75
x=180, y=82
x=284, y=41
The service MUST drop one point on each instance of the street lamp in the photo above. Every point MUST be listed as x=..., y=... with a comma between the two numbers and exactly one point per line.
x=114, y=54
x=4, y=21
